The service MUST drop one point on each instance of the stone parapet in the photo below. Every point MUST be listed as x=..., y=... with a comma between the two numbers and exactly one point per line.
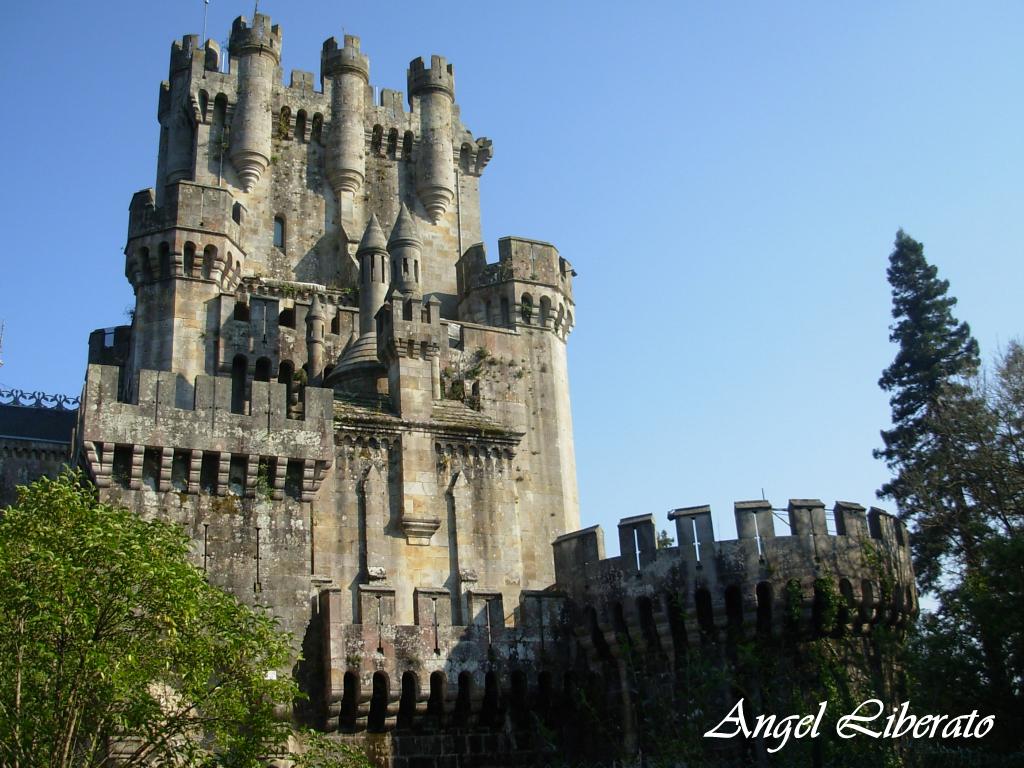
x=709, y=587
x=114, y=432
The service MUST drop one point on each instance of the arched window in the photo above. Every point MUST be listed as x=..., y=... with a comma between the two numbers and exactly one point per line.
x=284, y=123
x=407, y=701
x=204, y=103
x=262, y=369
x=350, y=701
x=300, y=125
x=463, y=704
x=392, y=142
x=378, y=703
x=279, y=232
x=287, y=318
x=465, y=158
x=190, y=259
x=407, y=145
x=490, y=708
x=241, y=312
x=435, y=704
x=336, y=323
x=526, y=307
x=318, y=128
x=237, y=213
x=238, y=370
x=165, y=261
x=545, y=311
x=376, y=139
x=209, y=259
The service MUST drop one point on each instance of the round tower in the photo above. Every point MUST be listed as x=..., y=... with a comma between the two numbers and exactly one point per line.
x=435, y=167
x=359, y=367
x=257, y=50
x=349, y=72
x=315, y=328
x=405, y=247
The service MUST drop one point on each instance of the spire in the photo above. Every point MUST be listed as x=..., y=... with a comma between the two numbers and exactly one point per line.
x=373, y=237
x=405, y=248
x=404, y=232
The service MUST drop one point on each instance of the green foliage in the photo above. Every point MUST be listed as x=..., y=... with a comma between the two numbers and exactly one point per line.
x=322, y=751
x=956, y=449
x=113, y=641
x=936, y=352
x=665, y=540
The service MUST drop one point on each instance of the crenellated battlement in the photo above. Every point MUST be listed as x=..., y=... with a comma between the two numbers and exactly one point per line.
x=260, y=37
x=186, y=205
x=530, y=285
x=758, y=580
x=346, y=59
x=440, y=77
x=182, y=52
x=117, y=435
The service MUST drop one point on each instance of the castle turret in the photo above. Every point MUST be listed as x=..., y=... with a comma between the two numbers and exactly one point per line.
x=349, y=72
x=360, y=367
x=177, y=129
x=257, y=50
x=435, y=169
x=405, y=248
x=315, y=341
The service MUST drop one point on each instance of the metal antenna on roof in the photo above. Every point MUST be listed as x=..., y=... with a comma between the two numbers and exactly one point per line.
x=2, y=325
x=206, y=8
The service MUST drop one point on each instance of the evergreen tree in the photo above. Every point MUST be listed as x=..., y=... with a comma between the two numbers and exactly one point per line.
x=953, y=452
x=936, y=353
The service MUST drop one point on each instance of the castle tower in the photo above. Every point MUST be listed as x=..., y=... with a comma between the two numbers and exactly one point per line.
x=257, y=51
x=359, y=367
x=405, y=247
x=348, y=71
x=315, y=342
x=177, y=124
x=432, y=92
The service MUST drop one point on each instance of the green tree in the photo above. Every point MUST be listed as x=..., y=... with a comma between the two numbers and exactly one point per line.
x=954, y=441
x=936, y=353
x=113, y=644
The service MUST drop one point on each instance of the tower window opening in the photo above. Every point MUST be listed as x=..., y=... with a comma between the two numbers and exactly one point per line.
x=238, y=370
x=241, y=312
x=279, y=232
x=407, y=145
x=392, y=142
x=300, y=125
x=318, y=128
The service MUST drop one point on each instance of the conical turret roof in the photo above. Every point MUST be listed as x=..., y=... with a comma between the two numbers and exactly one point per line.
x=373, y=237
x=316, y=310
x=404, y=232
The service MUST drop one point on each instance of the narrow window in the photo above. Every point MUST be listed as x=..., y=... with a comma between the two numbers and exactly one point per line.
x=279, y=232
x=238, y=371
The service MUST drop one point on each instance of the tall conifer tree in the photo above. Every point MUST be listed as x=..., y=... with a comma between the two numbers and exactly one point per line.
x=937, y=353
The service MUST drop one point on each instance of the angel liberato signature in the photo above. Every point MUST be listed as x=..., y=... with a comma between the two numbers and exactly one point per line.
x=866, y=720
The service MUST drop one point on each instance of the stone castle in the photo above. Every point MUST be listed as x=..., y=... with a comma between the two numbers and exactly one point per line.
x=365, y=425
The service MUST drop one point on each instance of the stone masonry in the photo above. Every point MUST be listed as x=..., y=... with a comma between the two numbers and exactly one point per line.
x=364, y=424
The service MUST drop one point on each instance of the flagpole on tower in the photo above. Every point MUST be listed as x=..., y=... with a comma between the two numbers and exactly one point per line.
x=206, y=8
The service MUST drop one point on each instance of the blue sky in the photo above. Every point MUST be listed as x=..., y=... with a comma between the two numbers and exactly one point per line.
x=726, y=177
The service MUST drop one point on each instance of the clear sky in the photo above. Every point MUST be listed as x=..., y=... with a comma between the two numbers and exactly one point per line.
x=726, y=177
